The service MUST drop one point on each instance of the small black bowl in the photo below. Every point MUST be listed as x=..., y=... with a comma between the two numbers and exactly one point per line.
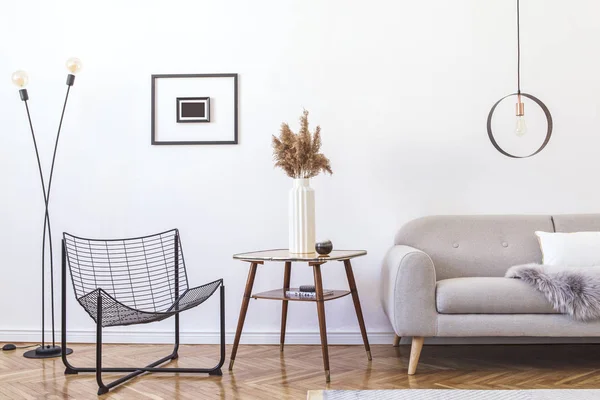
x=324, y=248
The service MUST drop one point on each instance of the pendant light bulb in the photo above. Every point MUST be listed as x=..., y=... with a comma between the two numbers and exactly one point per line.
x=520, y=126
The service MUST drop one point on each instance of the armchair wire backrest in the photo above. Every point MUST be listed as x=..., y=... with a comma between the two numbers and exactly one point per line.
x=146, y=273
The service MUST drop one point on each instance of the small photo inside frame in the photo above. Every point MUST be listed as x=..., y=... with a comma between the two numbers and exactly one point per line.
x=193, y=109
x=206, y=109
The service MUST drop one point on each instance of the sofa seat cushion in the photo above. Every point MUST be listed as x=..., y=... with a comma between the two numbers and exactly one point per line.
x=489, y=295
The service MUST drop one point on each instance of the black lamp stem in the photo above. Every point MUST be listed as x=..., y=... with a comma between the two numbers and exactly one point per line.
x=37, y=155
x=47, y=218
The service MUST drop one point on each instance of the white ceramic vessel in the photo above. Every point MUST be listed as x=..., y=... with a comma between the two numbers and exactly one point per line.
x=302, y=217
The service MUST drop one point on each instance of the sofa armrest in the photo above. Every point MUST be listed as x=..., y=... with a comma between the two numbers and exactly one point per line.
x=408, y=291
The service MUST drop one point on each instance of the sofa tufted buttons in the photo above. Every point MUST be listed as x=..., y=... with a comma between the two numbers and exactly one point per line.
x=504, y=244
x=455, y=245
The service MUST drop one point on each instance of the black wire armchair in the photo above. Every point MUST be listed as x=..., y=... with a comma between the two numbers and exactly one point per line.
x=128, y=282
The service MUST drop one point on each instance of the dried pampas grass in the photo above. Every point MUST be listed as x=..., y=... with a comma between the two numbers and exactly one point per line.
x=298, y=154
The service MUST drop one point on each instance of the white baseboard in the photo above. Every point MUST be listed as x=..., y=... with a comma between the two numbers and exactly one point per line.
x=166, y=337
x=352, y=338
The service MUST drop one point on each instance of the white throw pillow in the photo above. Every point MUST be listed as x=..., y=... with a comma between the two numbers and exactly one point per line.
x=577, y=249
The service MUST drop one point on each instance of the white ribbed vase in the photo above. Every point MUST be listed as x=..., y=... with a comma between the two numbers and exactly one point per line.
x=302, y=217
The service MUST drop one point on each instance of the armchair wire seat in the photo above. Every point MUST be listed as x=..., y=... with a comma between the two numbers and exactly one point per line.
x=115, y=313
x=128, y=282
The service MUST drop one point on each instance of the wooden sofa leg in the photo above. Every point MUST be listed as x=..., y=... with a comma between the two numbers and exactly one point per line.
x=397, y=341
x=415, y=352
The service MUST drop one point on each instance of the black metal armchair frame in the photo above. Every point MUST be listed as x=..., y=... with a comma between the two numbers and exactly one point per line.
x=107, y=274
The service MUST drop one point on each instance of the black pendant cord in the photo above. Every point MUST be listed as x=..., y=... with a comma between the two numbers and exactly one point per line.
x=518, y=47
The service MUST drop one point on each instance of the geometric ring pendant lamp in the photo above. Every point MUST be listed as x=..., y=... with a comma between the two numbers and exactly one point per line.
x=521, y=127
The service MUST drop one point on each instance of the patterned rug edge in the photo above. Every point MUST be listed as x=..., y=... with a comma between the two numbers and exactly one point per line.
x=314, y=395
x=457, y=394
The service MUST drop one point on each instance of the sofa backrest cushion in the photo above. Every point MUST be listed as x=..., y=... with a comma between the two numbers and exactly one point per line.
x=476, y=245
x=577, y=223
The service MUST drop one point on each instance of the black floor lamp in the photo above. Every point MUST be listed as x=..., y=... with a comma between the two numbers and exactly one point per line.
x=20, y=78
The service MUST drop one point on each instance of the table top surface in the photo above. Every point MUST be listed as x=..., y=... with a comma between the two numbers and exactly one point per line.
x=285, y=255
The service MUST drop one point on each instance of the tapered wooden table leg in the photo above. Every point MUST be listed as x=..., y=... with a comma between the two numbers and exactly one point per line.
x=321, y=312
x=284, y=304
x=243, y=310
x=359, y=314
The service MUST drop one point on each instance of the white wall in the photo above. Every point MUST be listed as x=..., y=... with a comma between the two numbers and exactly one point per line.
x=401, y=90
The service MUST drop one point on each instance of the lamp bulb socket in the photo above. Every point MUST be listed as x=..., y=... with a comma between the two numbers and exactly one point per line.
x=520, y=109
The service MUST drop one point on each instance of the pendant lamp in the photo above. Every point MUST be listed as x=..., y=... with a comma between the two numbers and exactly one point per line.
x=520, y=112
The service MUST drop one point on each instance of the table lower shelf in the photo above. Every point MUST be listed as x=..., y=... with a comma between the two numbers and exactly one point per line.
x=279, y=294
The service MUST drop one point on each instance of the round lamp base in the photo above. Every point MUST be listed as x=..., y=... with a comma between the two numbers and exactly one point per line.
x=46, y=352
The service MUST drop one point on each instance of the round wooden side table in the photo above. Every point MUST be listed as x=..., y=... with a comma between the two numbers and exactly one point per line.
x=315, y=261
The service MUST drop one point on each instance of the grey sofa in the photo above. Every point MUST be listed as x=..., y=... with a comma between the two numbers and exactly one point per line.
x=444, y=278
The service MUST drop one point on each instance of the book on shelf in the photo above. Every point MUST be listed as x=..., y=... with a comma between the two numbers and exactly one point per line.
x=306, y=295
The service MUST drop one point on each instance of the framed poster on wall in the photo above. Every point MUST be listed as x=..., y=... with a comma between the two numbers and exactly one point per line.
x=194, y=109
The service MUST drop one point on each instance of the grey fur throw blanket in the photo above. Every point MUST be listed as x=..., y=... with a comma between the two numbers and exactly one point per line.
x=571, y=290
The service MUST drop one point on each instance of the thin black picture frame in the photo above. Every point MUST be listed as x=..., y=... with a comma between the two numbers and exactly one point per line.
x=156, y=142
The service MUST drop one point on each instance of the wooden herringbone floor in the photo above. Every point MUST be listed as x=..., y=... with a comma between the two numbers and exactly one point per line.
x=262, y=372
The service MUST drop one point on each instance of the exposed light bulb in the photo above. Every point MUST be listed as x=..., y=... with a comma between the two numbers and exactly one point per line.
x=74, y=65
x=20, y=78
x=521, y=126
